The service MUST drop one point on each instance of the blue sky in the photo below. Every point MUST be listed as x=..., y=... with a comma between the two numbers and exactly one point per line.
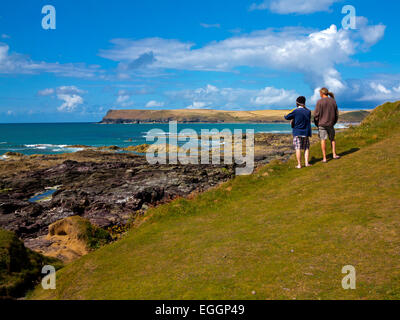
x=173, y=54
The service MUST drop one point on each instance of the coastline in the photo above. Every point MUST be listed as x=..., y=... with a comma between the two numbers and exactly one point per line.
x=105, y=186
x=258, y=225
x=209, y=116
x=128, y=122
x=67, y=138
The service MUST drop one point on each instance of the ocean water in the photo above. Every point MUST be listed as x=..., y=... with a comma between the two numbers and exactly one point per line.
x=54, y=138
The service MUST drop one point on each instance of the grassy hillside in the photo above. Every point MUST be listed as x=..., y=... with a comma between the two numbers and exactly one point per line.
x=281, y=233
x=211, y=116
x=185, y=115
x=20, y=268
x=354, y=116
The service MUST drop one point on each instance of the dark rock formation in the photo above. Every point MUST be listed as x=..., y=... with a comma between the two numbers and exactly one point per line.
x=107, y=193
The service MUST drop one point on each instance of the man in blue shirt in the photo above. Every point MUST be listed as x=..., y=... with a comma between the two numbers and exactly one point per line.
x=301, y=124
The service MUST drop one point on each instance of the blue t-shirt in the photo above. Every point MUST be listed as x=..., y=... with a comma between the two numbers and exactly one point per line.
x=302, y=122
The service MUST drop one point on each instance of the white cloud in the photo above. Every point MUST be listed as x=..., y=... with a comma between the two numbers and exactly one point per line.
x=71, y=101
x=198, y=105
x=270, y=96
x=315, y=54
x=70, y=95
x=379, y=88
x=294, y=6
x=155, y=104
x=375, y=90
x=5, y=36
x=209, y=26
x=61, y=90
x=15, y=63
x=260, y=6
x=378, y=91
x=46, y=92
x=123, y=98
x=234, y=98
x=371, y=34
x=69, y=90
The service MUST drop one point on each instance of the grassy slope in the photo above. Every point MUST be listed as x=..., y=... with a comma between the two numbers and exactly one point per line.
x=20, y=268
x=281, y=232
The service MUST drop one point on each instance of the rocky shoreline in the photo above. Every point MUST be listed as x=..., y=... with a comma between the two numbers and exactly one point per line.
x=107, y=188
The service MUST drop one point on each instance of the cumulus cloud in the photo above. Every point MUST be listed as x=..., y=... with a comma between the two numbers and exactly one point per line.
x=316, y=54
x=234, y=98
x=294, y=6
x=71, y=101
x=123, y=98
x=70, y=95
x=15, y=63
x=198, y=105
x=379, y=91
x=371, y=34
x=288, y=48
x=379, y=88
x=270, y=96
x=155, y=104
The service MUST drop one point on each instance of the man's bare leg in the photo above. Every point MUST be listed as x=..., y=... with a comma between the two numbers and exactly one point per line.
x=298, y=156
x=335, y=156
x=307, y=157
x=323, y=148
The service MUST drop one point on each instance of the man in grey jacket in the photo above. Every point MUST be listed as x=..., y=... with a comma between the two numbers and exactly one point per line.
x=325, y=118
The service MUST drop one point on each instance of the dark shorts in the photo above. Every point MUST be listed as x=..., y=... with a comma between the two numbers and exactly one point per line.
x=301, y=143
x=326, y=133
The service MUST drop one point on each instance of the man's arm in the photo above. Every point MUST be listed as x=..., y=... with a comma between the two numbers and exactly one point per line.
x=337, y=114
x=290, y=116
x=317, y=114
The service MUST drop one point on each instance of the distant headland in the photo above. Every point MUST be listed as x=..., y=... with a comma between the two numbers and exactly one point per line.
x=211, y=116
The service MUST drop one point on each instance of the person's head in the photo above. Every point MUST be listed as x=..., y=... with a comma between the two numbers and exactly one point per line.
x=301, y=101
x=324, y=93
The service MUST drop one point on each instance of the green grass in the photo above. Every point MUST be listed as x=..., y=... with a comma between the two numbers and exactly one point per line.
x=20, y=268
x=81, y=229
x=354, y=116
x=281, y=233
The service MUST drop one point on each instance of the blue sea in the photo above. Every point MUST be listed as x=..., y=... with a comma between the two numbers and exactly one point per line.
x=55, y=138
